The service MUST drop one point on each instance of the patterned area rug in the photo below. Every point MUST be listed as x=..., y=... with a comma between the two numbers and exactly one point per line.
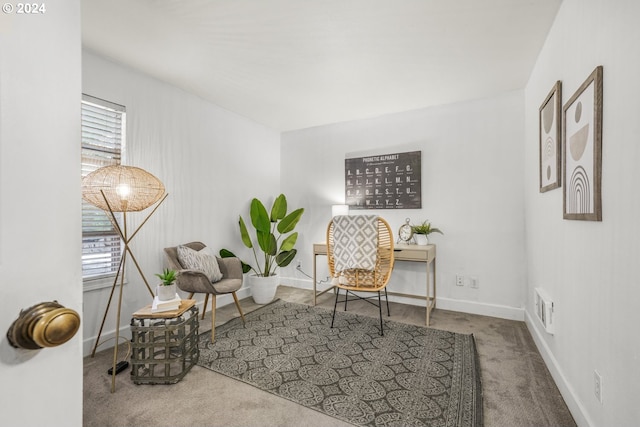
x=411, y=376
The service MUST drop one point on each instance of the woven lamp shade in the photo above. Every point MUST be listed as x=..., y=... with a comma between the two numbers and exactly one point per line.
x=127, y=188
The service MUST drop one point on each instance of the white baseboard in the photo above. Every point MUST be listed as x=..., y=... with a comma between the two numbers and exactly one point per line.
x=482, y=309
x=472, y=307
x=571, y=399
x=107, y=339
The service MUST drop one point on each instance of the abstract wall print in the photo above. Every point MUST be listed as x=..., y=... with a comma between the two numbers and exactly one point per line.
x=550, y=139
x=582, y=151
x=388, y=181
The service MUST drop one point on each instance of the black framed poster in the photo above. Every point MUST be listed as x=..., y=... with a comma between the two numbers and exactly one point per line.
x=388, y=181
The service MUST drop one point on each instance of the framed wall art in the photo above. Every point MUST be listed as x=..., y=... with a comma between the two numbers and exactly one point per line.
x=582, y=151
x=387, y=181
x=550, y=118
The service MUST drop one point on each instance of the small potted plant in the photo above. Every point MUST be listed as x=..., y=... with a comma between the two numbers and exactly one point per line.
x=421, y=231
x=167, y=289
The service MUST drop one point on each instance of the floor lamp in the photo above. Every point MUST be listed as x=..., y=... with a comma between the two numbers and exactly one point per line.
x=123, y=189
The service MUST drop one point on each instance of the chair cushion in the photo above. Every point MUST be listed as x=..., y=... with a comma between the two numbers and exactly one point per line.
x=227, y=285
x=203, y=260
x=355, y=242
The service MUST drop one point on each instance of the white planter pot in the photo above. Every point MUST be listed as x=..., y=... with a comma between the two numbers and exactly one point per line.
x=421, y=239
x=166, y=293
x=263, y=289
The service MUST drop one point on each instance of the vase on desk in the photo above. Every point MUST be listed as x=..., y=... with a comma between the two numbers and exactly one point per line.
x=421, y=239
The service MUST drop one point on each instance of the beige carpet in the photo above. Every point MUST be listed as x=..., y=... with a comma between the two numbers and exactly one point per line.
x=517, y=388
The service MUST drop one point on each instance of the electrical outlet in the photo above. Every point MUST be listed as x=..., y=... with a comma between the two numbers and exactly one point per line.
x=474, y=283
x=299, y=265
x=459, y=280
x=597, y=385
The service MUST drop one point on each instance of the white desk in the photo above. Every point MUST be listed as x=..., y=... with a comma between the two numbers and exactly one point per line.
x=411, y=253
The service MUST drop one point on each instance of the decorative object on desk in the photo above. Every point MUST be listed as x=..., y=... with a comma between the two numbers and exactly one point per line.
x=125, y=189
x=274, y=254
x=582, y=151
x=550, y=117
x=405, y=233
x=421, y=239
x=412, y=376
x=167, y=289
x=421, y=231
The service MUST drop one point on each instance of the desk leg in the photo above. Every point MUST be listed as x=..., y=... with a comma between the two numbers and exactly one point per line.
x=434, y=283
x=430, y=300
x=314, y=278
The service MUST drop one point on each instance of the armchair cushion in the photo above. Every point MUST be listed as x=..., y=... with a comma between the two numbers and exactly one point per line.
x=202, y=260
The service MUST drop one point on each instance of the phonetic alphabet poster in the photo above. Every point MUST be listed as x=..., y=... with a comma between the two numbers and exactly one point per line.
x=388, y=181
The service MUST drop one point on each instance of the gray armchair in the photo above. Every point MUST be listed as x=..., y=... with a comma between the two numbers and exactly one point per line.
x=195, y=281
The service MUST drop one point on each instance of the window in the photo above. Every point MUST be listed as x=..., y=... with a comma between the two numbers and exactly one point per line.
x=103, y=138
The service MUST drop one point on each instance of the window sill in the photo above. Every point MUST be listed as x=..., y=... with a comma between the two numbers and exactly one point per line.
x=100, y=283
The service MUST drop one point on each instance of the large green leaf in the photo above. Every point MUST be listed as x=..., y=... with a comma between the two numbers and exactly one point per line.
x=246, y=239
x=289, y=222
x=284, y=258
x=279, y=209
x=259, y=216
x=267, y=242
x=226, y=253
x=289, y=242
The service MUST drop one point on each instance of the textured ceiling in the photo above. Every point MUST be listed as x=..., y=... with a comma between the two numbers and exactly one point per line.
x=292, y=64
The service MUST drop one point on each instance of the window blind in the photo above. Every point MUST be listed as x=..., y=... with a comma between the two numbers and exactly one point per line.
x=103, y=137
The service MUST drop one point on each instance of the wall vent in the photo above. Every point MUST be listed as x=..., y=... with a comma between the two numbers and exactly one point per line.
x=544, y=310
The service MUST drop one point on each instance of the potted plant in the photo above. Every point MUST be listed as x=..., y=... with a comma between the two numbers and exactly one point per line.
x=272, y=245
x=421, y=231
x=167, y=289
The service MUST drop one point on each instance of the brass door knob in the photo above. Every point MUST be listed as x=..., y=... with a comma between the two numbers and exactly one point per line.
x=47, y=324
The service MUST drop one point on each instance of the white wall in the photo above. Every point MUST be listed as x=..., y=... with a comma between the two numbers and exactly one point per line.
x=211, y=161
x=40, y=208
x=588, y=267
x=471, y=188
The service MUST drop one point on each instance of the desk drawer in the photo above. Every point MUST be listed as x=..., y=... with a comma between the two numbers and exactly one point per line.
x=320, y=248
x=408, y=255
x=423, y=254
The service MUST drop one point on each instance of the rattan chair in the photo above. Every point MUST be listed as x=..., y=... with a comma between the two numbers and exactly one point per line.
x=359, y=280
x=194, y=281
